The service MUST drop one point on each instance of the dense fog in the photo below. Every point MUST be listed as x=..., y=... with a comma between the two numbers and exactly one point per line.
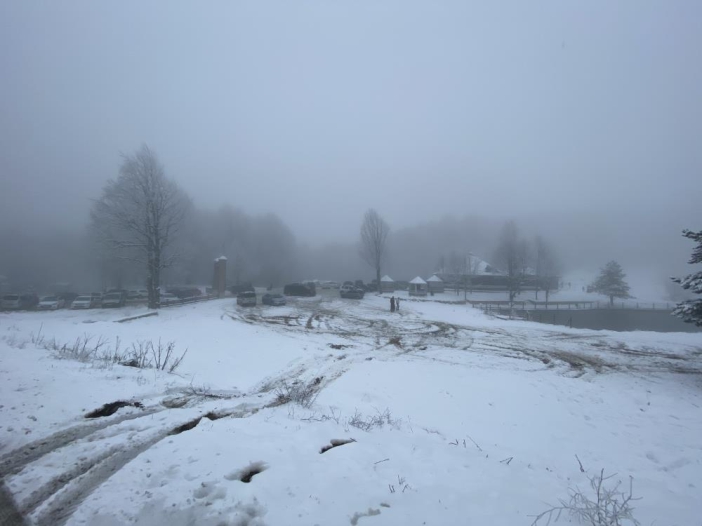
x=282, y=123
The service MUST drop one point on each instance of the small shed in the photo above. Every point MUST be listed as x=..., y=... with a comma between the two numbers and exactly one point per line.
x=387, y=284
x=435, y=284
x=417, y=287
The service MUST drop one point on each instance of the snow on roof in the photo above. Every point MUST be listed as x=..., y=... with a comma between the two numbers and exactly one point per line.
x=435, y=278
x=221, y=258
x=386, y=278
x=418, y=281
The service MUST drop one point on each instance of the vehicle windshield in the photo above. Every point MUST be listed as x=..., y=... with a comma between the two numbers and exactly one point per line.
x=49, y=298
x=113, y=296
x=83, y=298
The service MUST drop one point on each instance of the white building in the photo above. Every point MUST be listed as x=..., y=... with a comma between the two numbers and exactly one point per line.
x=418, y=287
x=387, y=284
x=435, y=284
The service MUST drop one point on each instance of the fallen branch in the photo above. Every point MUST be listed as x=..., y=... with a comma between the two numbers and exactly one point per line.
x=154, y=313
x=476, y=444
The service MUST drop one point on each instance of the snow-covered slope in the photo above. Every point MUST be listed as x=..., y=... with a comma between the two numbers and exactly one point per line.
x=440, y=415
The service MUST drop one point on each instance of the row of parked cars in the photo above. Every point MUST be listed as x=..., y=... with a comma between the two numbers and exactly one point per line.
x=112, y=298
x=246, y=295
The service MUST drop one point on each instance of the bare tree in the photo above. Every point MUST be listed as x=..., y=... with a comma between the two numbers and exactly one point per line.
x=139, y=214
x=545, y=266
x=511, y=256
x=472, y=269
x=374, y=236
x=457, y=267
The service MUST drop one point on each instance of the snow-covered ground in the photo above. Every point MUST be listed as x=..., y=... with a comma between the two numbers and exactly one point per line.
x=451, y=417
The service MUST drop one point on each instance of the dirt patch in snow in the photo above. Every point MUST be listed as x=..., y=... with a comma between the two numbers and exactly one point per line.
x=249, y=472
x=336, y=442
x=111, y=408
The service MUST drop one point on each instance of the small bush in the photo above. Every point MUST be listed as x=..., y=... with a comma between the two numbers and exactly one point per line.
x=141, y=354
x=303, y=394
x=378, y=420
x=608, y=507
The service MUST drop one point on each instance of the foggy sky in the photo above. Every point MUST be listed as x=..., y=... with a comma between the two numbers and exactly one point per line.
x=564, y=115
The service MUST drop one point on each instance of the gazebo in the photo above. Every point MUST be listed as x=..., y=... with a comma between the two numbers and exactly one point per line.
x=435, y=284
x=417, y=287
x=387, y=284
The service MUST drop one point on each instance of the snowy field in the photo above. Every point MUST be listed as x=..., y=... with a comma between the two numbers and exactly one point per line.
x=439, y=414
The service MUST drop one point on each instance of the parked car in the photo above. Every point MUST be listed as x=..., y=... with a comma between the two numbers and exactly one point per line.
x=351, y=292
x=275, y=300
x=10, y=302
x=67, y=297
x=85, y=302
x=113, y=299
x=51, y=303
x=168, y=299
x=241, y=287
x=95, y=295
x=246, y=299
x=185, y=292
x=133, y=295
x=299, y=289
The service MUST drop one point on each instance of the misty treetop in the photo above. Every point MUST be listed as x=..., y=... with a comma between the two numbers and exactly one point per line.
x=691, y=310
x=611, y=282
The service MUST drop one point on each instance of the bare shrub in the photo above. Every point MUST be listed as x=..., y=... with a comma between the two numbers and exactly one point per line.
x=164, y=357
x=141, y=354
x=303, y=394
x=378, y=420
x=608, y=507
x=38, y=338
x=82, y=349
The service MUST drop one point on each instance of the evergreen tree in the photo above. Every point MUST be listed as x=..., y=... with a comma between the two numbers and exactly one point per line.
x=611, y=282
x=691, y=310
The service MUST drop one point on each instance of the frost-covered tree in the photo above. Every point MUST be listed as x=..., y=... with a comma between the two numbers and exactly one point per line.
x=691, y=310
x=611, y=282
x=374, y=237
x=139, y=214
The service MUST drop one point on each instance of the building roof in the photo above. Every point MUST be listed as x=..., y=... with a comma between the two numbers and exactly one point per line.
x=386, y=278
x=435, y=278
x=418, y=281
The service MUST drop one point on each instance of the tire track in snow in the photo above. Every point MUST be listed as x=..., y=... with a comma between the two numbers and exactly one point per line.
x=16, y=460
x=55, y=501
